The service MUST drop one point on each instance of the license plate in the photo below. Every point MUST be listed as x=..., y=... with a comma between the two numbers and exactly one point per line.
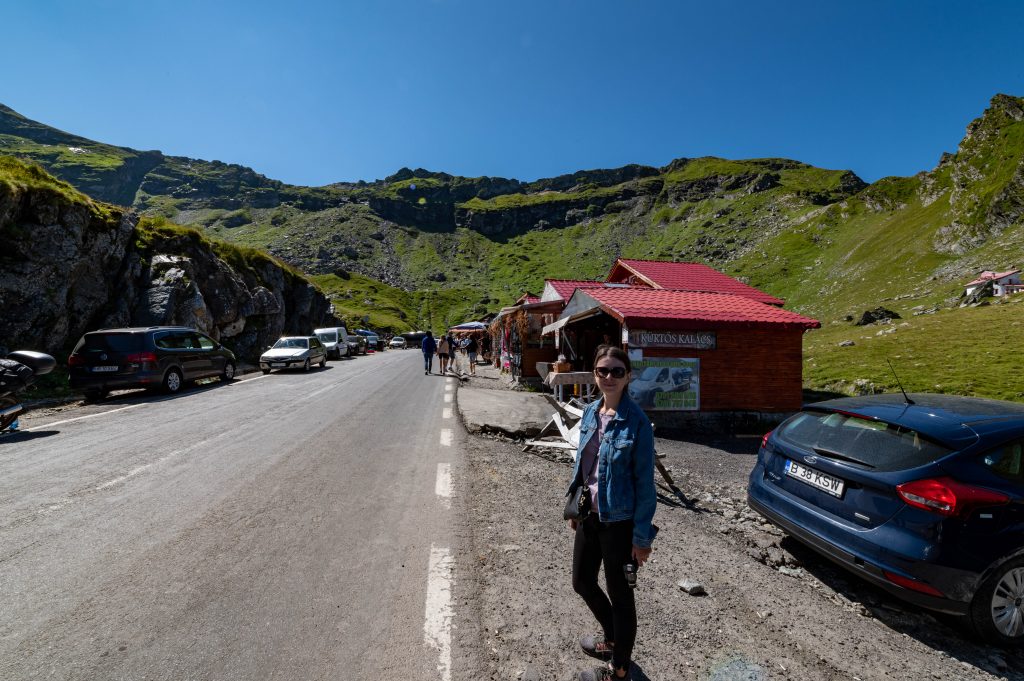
x=277, y=364
x=104, y=369
x=822, y=481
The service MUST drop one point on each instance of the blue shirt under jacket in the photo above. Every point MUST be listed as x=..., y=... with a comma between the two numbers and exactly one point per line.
x=625, y=467
x=429, y=346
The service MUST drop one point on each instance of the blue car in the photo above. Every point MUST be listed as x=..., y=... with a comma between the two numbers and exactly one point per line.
x=922, y=495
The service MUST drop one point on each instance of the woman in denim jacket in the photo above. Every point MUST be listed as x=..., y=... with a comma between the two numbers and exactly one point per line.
x=615, y=459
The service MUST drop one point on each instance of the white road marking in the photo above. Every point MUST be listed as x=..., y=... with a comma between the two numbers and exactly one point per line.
x=448, y=387
x=135, y=471
x=313, y=394
x=82, y=418
x=68, y=500
x=447, y=397
x=130, y=474
x=443, y=486
x=437, y=625
x=446, y=413
x=446, y=437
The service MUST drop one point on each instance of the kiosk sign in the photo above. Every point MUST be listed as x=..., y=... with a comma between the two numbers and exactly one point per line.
x=697, y=340
x=666, y=384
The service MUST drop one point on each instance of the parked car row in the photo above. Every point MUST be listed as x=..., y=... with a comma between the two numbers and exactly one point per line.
x=333, y=342
x=922, y=495
x=168, y=357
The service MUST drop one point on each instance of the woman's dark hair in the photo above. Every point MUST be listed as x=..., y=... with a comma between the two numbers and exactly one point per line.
x=614, y=352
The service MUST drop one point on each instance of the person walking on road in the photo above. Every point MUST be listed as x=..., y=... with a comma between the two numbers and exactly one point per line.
x=429, y=347
x=443, y=347
x=451, y=353
x=615, y=464
x=471, y=348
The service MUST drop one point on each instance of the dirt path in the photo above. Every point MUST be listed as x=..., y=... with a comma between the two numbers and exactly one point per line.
x=814, y=623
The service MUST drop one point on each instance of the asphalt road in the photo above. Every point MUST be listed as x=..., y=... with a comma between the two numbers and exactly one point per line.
x=290, y=526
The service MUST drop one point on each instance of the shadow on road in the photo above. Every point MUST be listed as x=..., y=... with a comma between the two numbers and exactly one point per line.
x=127, y=397
x=19, y=436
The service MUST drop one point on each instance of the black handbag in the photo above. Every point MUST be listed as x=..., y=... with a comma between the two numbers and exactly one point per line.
x=579, y=504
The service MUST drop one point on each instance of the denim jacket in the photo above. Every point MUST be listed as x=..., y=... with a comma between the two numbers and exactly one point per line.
x=625, y=467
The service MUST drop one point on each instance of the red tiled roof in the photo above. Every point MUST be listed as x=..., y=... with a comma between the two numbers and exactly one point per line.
x=528, y=298
x=692, y=276
x=634, y=306
x=989, y=277
x=565, y=287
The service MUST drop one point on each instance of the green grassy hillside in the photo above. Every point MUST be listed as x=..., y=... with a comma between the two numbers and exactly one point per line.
x=970, y=351
x=422, y=248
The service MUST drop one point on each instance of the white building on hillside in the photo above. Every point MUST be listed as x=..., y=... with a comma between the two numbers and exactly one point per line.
x=1003, y=283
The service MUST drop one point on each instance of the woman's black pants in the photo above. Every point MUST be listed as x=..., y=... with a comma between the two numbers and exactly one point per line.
x=612, y=544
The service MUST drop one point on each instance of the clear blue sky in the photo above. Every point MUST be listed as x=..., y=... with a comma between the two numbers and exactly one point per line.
x=318, y=92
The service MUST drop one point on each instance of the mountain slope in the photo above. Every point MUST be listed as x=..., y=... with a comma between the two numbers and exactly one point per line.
x=421, y=248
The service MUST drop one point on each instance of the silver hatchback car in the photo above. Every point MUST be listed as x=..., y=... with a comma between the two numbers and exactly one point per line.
x=294, y=352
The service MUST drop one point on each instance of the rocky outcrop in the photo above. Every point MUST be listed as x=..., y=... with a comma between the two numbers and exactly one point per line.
x=565, y=210
x=436, y=213
x=69, y=266
x=59, y=261
x=197, y=184
x=985, y=179
x=594, y=178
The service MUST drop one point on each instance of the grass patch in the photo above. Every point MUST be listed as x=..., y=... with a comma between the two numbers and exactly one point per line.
x=958, y=351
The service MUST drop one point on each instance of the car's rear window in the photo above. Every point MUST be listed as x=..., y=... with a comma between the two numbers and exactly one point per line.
x=110, y=342
x=880, y=446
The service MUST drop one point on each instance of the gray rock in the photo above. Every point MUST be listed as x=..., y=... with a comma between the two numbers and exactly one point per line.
x=847, y=344
x=792, y=572
x=691, y=587
x=876, y=315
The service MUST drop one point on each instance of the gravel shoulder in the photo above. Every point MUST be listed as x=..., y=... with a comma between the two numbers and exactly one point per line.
x=773, y=609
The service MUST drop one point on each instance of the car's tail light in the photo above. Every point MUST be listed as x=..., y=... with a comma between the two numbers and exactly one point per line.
x=948, y=497
x=912, y=584
x=140, y=357
x=76, y=361
x=764, y=440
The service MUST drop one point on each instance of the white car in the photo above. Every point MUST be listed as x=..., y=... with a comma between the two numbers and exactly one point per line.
x=335, y=340
x=398, y=343
x=294, y=352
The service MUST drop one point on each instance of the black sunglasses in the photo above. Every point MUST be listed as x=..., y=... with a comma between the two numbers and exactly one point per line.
x=614, y=372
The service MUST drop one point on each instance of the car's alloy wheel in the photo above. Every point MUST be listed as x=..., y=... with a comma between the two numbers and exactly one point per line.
x=305, y=365
x=323, y=361
x=229, y=372
x=1008, y=603
x=172, y=381
x=997, y=611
